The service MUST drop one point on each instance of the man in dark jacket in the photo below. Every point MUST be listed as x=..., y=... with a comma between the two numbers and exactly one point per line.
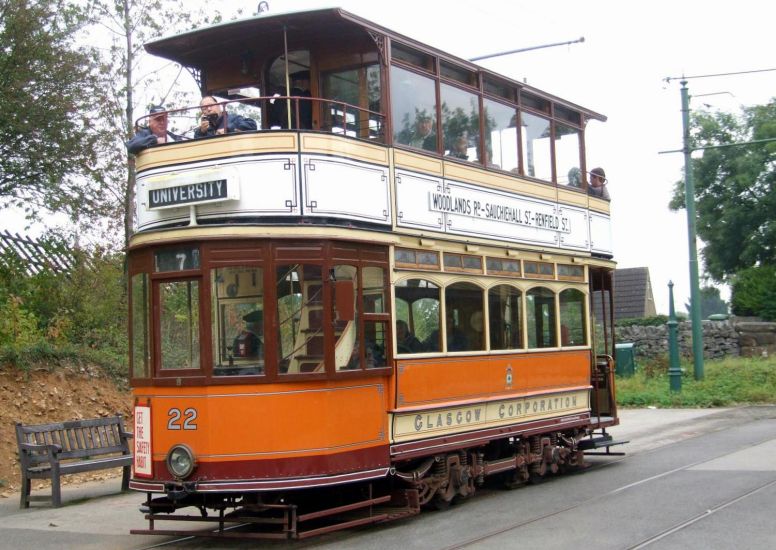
x=154, y=134
x=215, y=121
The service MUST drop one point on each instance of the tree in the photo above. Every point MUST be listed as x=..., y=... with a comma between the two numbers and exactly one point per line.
x=735, y=189
x=130, y=24
x=754, y=292
x=48, y=141
x=711, y=302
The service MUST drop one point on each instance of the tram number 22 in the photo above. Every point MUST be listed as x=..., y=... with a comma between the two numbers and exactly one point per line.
x=185, y=421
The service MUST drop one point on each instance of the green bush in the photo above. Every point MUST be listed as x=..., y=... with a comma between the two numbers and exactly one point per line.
x=753, y=292
x=655, y=321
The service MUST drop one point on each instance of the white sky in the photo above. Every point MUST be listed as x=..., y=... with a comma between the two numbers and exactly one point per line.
x=618, y=71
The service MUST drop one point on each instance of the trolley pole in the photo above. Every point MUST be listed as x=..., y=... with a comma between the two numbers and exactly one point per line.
x=674, y=371
x=689, y=202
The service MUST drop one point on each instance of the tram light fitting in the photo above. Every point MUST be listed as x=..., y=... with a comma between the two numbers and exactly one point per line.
x=180, y=461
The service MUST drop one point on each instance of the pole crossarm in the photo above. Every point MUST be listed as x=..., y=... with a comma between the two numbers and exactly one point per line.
x=528, y=49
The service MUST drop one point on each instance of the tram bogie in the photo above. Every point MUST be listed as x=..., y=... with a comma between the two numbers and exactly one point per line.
x=336, y=323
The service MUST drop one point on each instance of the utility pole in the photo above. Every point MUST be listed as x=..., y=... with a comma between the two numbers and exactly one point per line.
x=689, y=203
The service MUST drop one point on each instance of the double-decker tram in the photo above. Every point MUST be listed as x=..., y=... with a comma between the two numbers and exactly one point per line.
x=396, y=287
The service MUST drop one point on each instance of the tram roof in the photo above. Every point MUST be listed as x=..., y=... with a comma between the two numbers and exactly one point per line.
x=194, y=48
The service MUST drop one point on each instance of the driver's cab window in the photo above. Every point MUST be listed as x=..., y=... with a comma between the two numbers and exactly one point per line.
x=297, y=111
x=238, y=321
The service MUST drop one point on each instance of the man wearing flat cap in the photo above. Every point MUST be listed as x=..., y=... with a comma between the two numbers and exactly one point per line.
x=597, y=187
x=248, y=343
x=154, y=134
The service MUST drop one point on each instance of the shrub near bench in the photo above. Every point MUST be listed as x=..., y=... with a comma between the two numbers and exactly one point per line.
x=48, y=451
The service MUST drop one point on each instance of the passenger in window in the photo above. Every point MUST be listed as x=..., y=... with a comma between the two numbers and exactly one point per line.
x=300, y=87
x=248, y=344
x=215, y=122
x=575, y=177
x=456, y=338
x=424, y=136
x=405, y=340
x=460, y=147
x=155, y=134
x=597, y=187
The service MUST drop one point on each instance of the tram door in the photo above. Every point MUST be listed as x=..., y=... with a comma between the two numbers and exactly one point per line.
x=602, y=364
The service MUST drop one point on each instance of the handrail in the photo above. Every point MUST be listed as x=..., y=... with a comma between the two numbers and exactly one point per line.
x=331, y=115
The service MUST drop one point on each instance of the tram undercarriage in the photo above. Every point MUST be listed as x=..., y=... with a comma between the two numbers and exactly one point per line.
x=430, y=482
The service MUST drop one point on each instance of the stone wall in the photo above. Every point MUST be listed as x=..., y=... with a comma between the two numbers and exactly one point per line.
x=744, y=336
x=720, y=339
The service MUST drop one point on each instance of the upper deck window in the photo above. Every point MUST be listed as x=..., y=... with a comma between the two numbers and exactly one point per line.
x=414, y=109
x=459, y=74
x=501, y=134
x=568, y=155
x=534, y=102
x=536, y=146
x=460, y=123
x=500, y=266
x=412, y=56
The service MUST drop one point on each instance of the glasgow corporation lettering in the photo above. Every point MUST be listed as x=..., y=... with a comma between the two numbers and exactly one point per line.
x=192, y=193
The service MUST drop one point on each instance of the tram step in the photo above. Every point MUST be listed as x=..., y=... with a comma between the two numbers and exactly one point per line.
x=599, y=442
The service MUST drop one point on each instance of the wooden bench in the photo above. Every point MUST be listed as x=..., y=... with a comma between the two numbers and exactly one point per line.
x=48, y=451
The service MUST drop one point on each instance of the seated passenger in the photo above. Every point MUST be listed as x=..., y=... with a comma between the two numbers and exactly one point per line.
x=248, y=343
x=575, y=177
x=460, y=147
x=156, y=133
x=424, y=136
x=215, y=122
x=405, y=340
x=597, y=184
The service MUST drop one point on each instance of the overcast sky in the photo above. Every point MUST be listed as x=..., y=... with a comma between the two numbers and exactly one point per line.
x=619, y=71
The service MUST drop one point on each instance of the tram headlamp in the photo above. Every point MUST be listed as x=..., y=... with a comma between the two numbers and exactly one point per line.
x=180, y=461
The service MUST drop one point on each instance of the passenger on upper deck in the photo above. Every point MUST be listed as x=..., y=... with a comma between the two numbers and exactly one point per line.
x=460, y=146
x=215, y=122
x=597, y=183
x=424, y=136
x=154, y=134
x=300, y=87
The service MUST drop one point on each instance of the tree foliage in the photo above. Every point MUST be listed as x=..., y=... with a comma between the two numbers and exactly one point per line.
x=49, y=143
x=711, y=302
x=754, y=292
x=735, y=189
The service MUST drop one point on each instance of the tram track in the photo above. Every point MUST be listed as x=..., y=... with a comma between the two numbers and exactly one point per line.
x=647, y=541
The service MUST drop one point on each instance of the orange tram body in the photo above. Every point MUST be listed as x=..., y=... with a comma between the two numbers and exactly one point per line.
x=396, y=287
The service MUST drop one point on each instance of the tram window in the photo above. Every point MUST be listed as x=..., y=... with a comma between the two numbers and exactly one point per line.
x=460, y=122
x=460, y=74
x=141, y=335
x=504, y=305
x=571, y=272
x=374, y=344
x=414, y=109
x=359, y=87
x=535, y=139
x=568, y=155
x=179, y=324
x=499, y=89
x=237, y=321
x=539, y=270
x=540, y=318
x=421, y=259
x=300, y=339
x=464, y=322
x=417, y=304
x=568, y=115
x=534, y=102
x=500, y=266
x=463, y=262
x=347, y=352
x=501, y=134
x=176, y=259
x=374, y=289
x=412, y=56
x=572, y=318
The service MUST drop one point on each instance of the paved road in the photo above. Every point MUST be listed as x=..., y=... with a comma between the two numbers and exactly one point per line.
x=691, y=479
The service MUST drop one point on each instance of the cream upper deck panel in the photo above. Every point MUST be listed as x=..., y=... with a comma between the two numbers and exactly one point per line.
x=281, y=178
